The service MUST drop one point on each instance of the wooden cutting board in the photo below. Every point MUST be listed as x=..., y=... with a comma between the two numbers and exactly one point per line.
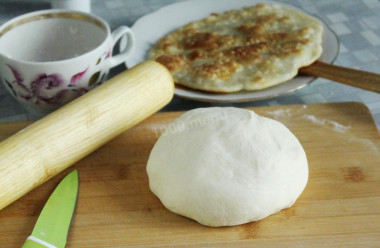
x=340, y=206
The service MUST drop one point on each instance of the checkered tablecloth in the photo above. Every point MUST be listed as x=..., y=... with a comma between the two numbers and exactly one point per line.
x=356, y=22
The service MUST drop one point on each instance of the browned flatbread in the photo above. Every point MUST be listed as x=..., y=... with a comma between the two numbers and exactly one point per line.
x=248, y=49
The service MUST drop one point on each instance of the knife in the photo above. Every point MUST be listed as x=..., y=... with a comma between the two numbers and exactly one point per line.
x=53, y=224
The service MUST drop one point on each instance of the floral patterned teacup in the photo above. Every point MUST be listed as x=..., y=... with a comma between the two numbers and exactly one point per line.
x=50, y=57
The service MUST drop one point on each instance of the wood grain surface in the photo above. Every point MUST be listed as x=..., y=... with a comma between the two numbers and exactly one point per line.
x=340, y=206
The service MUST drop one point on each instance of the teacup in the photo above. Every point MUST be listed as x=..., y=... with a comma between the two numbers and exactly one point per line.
x=50, y=57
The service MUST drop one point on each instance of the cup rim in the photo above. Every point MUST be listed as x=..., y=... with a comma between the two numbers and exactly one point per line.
x=19, y=18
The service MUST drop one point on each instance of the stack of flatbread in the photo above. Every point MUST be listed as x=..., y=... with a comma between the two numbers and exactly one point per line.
x=248, y=49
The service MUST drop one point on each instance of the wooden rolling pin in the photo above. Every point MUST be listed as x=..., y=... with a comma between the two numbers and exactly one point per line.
x=50, y=145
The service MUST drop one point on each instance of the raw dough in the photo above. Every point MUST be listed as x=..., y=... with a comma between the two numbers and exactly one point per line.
x=227, y=166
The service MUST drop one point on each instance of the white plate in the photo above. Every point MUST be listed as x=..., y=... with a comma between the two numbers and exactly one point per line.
x=151, y=27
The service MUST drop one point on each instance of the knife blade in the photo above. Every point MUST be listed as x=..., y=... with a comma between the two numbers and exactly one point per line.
x=52, y=226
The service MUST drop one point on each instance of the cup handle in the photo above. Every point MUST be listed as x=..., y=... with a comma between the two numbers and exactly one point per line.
x=128, y=46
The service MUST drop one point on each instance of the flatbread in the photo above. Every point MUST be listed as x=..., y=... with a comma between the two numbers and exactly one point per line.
x=227, y=166
x=248, y=49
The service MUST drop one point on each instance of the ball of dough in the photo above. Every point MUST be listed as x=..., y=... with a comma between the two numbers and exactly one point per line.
x=227, y=166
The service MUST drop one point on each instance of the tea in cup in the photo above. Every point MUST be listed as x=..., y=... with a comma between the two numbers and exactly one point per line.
x=50, y=57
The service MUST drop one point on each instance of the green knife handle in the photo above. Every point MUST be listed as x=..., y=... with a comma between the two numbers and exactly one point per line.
x=32, y=244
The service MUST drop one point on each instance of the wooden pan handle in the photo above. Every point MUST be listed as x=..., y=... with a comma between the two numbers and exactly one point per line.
x=361, y=79
x=50, y=145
